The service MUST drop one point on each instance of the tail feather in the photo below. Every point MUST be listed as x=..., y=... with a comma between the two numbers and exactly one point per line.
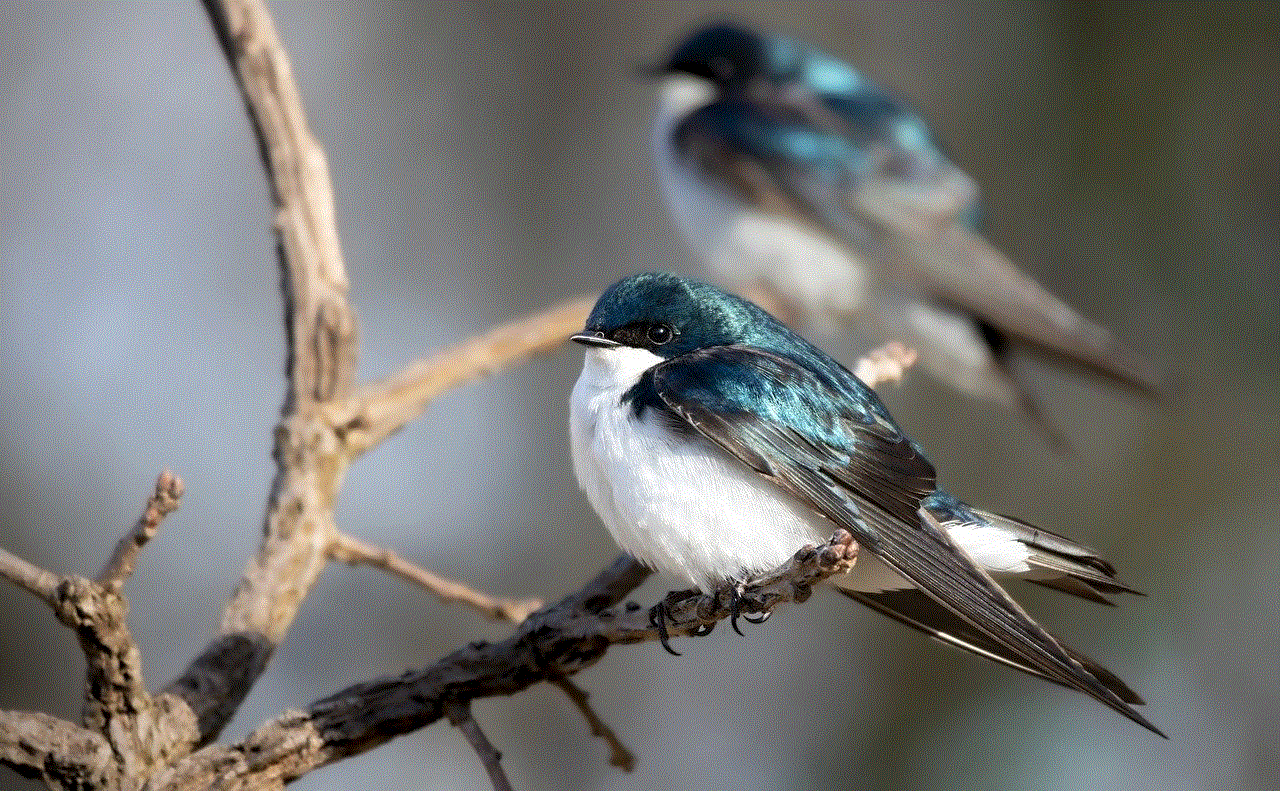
x=1082, y=571
x=916, y=609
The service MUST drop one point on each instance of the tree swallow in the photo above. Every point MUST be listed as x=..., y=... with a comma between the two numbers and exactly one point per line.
x=714, y=442
x=791, y=174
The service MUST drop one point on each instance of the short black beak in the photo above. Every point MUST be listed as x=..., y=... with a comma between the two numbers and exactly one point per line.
x=594, y=339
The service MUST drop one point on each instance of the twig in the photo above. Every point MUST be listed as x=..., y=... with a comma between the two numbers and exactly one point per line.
x=349, y=549
x=116, y=702
x=619, y=755
x=380, y=409
x=888, y=363
x=31, y=578
x=460, y=715
x=163, y=501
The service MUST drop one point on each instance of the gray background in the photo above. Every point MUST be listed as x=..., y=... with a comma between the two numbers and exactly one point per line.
x=491, y=158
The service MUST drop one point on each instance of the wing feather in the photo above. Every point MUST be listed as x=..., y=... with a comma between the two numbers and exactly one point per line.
x=904, y=208
x=824, y=438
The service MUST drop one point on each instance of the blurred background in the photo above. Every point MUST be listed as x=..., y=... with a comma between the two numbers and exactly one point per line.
x=492, y=158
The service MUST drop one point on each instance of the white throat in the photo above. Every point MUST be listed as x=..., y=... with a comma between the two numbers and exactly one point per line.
x=615, y=369
x=681, y=94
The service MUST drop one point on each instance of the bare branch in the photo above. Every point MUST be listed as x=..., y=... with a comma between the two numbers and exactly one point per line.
x=321, y=329
x=115, y=693
x=42, y=747
x=117, y=707
x=619, y=755
x=888, y=363
x=351, y=550
x=460, y=715
x=30, y=577
x=164, y=501
x=380, y=409
x=556, y=641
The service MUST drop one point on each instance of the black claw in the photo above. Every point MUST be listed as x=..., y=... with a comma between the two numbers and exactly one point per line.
x=658, y=618
x=735, y=613
x=758, y=618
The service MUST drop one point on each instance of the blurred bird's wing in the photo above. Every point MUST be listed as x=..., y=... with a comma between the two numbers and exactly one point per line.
x=866, y=172
x=824, y=438
x=958, y=267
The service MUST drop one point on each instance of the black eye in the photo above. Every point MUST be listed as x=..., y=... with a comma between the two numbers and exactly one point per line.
x=659, y=334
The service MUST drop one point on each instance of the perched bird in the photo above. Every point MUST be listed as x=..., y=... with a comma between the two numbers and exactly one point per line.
x=791, y=174
x=714, y=442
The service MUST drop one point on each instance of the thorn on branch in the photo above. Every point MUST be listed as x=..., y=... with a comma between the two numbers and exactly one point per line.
x=163, y=501
x=351, y=550
x=460, y=715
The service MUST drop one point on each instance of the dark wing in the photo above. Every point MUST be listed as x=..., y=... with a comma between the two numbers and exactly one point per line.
x=864, y=170
x=775, y=156
x=824, y=438
x=959, y=267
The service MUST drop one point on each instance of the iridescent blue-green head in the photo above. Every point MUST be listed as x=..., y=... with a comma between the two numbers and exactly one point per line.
x=733, y=57
x=726, y=54
x=669, y=316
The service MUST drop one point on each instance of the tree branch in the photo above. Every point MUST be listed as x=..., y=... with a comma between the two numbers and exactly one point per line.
x=380, y=409
x=117, y=707
x=321, y=330
x=619, y=755
x=31, y=578
x=349, y=549
x=163, y=501
x=888, y=363
x=40, y=746
x=556, y=641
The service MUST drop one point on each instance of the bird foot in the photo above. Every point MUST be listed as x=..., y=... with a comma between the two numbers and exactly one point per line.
x=659, y=616
x=736, y=600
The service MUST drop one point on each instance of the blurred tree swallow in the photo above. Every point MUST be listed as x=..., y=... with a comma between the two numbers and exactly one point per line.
x=714, y=442
x=790, y=173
